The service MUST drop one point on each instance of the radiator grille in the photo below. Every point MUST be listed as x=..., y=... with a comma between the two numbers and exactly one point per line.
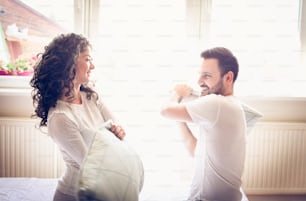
x=276, y=159
x=26, y=151
x=275, y=162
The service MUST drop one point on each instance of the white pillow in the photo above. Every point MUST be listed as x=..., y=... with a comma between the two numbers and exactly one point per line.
x=111, y=170
x=251, y=116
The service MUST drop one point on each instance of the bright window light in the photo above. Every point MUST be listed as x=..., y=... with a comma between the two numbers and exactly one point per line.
x=265, y=37
x=141, y=51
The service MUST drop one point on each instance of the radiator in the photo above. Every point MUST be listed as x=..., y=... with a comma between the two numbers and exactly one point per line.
x=26, y=151
x=276, y=159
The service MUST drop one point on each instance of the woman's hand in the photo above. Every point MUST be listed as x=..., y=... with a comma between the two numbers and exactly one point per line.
x=118, y=131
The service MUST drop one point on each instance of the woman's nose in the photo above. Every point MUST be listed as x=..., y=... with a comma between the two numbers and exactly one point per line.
x=92, y=66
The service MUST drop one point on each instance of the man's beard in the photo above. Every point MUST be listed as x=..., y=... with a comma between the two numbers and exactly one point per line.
x=217, y=89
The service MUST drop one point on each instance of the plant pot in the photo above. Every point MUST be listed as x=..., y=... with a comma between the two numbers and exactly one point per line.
x=25, y=73
x=5, y=72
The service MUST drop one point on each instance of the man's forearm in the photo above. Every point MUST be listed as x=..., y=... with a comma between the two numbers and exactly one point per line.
x=188, y=138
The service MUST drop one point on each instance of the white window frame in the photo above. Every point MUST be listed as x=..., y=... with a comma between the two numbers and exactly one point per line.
x=86, y=13
x=198, y=17
x=302, y=29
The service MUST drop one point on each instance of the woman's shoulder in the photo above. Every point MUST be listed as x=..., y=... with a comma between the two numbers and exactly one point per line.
x=61, y=107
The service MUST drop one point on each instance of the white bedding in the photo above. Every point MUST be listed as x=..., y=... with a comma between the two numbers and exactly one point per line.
x=38, y=189
x=27, y=189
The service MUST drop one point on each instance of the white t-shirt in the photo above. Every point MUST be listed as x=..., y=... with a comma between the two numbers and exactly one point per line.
x=72, y=127
x=220, y=149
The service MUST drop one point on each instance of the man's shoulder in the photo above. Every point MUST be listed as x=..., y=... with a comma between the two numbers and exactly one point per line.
x=218, y=97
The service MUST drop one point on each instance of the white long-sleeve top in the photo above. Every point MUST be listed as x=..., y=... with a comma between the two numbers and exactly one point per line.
x=72, y=128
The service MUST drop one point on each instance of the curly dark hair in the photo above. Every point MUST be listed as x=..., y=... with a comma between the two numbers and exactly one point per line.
x=54, y=73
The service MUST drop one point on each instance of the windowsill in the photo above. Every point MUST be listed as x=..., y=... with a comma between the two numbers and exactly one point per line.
x=281, y=109
x=15, y=91
x=10, y=81
x=16, y=100
x=15, y=85
x=15, y=95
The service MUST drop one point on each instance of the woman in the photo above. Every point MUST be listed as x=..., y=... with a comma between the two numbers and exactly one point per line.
x=71, y=110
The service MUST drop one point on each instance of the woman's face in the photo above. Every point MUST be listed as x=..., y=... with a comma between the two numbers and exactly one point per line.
x=84, y=67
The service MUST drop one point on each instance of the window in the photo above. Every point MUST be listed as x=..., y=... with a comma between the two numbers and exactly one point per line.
x=265, y=36
x=61, y=12
x=22, y=39
x=140, y=53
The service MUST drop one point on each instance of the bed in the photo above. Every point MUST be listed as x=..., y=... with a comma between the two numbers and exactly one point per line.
x=42, y=189
x=27, y=189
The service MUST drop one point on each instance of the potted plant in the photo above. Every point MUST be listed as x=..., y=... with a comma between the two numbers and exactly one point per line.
x=22, y=66
x=5, y=69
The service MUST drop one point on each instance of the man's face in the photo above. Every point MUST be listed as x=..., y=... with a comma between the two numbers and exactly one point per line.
x=210, y=79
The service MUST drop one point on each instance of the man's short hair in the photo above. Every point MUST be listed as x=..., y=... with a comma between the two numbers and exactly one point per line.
x=227, y=61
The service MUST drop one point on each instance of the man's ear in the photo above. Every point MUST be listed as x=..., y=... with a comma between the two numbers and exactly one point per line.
x=229, y=77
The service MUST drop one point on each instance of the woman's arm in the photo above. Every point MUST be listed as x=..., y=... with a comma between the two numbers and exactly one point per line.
x=107, y=115
x=67, y=137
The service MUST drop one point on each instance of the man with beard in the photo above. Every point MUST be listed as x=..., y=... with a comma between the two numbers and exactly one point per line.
x=219, y=148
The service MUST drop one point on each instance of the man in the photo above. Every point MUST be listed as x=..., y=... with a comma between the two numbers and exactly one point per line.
x=219, y=149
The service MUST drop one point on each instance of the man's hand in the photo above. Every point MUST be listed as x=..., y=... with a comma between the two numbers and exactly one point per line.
x=118, y=131
x=182, y=91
